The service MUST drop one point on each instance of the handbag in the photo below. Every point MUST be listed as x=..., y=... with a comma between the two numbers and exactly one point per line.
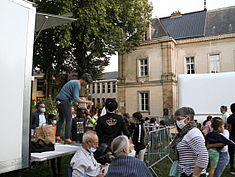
x=45, y=133
x=41, y=146
x=174, y=171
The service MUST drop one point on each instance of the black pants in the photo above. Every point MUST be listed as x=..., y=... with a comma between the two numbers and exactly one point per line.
x=184, y=175
x=65, y=113
x=231, y=154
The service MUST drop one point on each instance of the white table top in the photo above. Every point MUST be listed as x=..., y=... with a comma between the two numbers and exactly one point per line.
x=60, y=151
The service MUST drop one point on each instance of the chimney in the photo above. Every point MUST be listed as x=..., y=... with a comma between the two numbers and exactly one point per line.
x=205, y=5
x=176, y=14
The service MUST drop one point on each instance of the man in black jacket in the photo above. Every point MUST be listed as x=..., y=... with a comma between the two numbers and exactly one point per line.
x=111, y=124
x=39, y=117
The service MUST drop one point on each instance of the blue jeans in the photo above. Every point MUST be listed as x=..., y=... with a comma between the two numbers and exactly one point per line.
x=223, y=162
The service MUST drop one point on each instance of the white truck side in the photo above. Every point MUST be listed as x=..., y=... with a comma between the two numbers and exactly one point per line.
x=205, y=93
x=17, y=19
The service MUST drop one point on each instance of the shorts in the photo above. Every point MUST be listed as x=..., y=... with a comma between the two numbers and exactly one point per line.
x=213, y=158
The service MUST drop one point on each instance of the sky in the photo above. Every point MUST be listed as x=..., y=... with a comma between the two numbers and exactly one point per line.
x=164, y=8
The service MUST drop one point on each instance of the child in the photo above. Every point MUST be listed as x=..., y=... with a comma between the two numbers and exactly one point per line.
x=78, y=126
x=52, y=121
x=138, y=136
x=215, y=137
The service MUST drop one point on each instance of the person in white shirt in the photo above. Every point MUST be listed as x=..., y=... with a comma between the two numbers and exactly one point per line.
x=39, y=117
x=225, y=114
x=83, y=162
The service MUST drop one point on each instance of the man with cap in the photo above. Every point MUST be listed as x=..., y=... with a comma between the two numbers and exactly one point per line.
x=110, y=125
x=69, y=94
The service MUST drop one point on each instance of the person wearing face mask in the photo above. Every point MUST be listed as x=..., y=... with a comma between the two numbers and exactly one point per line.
x=51, y=119
x=39, y=117
x=124, y=164
x=189, y=145
x=83, y=162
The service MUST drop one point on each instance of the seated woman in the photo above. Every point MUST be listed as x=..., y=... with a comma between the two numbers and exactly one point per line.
x=125, y=165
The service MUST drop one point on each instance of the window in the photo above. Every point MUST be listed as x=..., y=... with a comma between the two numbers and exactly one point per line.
x=93, y=88
x=143, y=67
x=40, y=84
x=103, y=87
x=103, y=101
x=114, y=87
x=214, y=63
x=98, y=87
x=98, y=100
x=190, y=65
x=144, y=101
x=109, y=87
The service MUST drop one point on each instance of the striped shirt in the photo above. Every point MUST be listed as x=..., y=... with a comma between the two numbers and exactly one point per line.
x=192, y=152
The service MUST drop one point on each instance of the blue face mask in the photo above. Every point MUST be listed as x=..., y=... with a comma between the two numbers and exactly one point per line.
x=43, y=109
x=92, y=149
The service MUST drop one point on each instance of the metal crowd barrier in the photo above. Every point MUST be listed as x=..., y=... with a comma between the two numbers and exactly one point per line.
x=157, y=146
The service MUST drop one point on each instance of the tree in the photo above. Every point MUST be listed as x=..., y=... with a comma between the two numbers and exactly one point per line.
x=51, y=57
x=104, y=27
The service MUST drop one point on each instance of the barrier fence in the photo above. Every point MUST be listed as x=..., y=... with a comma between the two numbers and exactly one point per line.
x=157, y=146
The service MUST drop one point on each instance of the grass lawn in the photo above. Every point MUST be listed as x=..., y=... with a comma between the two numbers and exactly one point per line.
x=41, y=170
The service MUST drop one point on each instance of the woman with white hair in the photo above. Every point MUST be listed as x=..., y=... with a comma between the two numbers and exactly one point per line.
x=125, y=165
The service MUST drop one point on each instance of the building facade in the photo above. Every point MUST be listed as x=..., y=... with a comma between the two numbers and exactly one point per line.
x=38, y=85
x=105, y=88
x=192, y=43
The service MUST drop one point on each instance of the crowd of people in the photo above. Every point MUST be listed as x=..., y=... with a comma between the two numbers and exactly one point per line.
x=207, y=147
x=113, y=144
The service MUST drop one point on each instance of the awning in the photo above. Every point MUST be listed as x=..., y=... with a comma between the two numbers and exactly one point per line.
x=45, y=21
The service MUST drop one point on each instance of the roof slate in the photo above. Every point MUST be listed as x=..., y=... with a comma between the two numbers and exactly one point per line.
x=158, y=30
x=110, y=75
x=220, y=21
x=196, y=24
x=185, y=26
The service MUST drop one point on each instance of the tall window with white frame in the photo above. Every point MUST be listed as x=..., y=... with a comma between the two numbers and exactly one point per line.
x=108, y=87
x=98, y=87
x=144, y=101
x=114, y=87
x=93, y=88
x=214, y=63
x=190, y=65
x=103, y=87
x=143, y=67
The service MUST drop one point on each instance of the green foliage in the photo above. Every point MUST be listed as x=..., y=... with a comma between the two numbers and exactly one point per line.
x=103, y=27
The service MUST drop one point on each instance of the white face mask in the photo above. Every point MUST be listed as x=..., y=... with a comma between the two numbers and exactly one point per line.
x=54, y=121
x=180, y=123
x=132, y=153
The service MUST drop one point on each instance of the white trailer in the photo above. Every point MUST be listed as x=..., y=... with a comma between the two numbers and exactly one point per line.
x=17, y=19
x=205, y=93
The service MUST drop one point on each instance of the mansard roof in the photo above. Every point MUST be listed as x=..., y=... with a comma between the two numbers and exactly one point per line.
x=220, y=21
x=195, y=24
x=110, y=75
